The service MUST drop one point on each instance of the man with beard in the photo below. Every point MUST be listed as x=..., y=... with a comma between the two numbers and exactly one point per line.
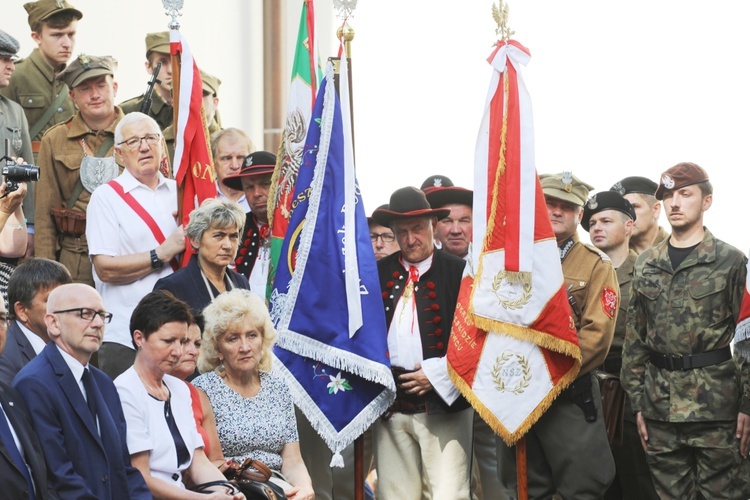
x=609, y=219
x=688, y=391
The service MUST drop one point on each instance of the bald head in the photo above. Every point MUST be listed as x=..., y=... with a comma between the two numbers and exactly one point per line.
x=74, y=320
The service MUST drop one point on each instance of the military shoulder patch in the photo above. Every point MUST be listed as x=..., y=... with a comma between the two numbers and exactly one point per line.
x=609, y=301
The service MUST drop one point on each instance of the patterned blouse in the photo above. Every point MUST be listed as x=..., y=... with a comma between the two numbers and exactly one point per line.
x=256, y=427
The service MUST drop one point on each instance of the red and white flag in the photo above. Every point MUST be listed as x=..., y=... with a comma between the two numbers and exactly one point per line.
x=742, y=331
x=193, y=164
x=514, y=345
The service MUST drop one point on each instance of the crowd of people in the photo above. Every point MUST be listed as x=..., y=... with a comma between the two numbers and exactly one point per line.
x=123, y=375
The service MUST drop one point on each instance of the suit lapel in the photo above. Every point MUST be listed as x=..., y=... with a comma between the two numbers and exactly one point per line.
x=23, y=343
x=14, y=422
x=71, y=389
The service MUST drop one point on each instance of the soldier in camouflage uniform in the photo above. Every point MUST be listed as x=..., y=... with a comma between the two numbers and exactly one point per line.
x=639, y=191
x=609, y=217
x=567, y=449
x=157, y=51
x=690, y=395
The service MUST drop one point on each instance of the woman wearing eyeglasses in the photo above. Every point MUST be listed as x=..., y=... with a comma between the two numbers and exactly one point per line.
x=162, y=437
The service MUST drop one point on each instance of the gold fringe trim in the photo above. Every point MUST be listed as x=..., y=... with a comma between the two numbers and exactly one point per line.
x=549, y=342
x=509, y=437
x=518, y=277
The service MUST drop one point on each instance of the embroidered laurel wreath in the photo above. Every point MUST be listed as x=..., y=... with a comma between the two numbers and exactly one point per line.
x=498, y=282
x=497, y=371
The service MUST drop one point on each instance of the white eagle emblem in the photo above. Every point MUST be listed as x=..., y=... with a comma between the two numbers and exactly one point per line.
x=667, y=181
x=437, y=182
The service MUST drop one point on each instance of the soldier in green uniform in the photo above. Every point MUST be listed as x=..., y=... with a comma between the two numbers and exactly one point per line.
x=157, y=51
x=567, y=449
x=639, y=191
x=609, y=219
x=13, y=127
x=210, y=104
x=691, y=396
x=75, y=158
x=44, y=99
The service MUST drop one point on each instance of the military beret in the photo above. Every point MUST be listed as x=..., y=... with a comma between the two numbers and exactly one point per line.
x=434, y=182
x=258, y=163
x=566, y=187
x=157, y=42
x=8, y=45
x=606, y=200
x=210, y=83
x=43, y=9
x=635, y=184
x=681, y=175
x=85, y=67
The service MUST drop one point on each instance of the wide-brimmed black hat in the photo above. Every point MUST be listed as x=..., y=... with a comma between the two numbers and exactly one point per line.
x=606, y=200
x=440, y=197
x=435, y=182
x=407, y=203
x=370, y=219
x=258, y=163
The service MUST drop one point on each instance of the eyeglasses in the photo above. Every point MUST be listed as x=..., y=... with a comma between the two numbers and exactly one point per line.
x=87, y=314
x=386, y=237
x=135, y=142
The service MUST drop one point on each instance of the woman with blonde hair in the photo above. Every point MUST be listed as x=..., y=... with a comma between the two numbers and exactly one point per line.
x=253, y=408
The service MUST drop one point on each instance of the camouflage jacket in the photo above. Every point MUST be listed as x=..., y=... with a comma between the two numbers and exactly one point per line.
x=591, y=284
x=690, y=310
x=625, y=280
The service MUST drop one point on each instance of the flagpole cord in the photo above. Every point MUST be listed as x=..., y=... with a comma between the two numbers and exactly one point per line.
x=521, y=471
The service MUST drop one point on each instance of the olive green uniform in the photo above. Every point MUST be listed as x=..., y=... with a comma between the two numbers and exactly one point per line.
x=633, y=479
x=60, y=162
x=690, y=414
x=660, y=236
x=565, y=452
x=160, y=111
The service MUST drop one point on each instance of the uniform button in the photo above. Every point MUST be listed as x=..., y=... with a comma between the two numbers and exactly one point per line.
x=59, y=110
x=105, y=478
x=30, y=101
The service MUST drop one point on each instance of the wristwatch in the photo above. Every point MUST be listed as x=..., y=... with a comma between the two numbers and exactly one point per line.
x=156, y=262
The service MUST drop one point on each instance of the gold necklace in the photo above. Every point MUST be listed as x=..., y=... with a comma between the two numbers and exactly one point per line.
x=154, y=391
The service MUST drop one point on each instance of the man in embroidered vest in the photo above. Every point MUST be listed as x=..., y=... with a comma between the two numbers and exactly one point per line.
x=230, y=147
x=74, y=407
x=609, y=219
x=253, y=256
x=132, y=233
x=639, y=191
x=424, y=440
x=157, y=51
x=44, y=99
x=75, y=158
x=567, y=449
x=690, y=394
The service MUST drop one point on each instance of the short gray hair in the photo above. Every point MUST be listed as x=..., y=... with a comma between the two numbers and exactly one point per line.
x=214, y=212
x=231, y=133
x=130, y=119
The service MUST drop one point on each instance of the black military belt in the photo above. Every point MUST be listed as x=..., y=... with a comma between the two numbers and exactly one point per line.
x=689, y=361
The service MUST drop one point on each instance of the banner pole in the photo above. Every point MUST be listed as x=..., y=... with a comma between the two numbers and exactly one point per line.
x=521, y=472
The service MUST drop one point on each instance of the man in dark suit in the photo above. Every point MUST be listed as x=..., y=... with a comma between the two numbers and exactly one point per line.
x=74, y=407
x=28, y=289
x=26, y=453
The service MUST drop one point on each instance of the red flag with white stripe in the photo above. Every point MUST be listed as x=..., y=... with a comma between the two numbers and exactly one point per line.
x=514, y=344
x=193, y=162
x=742, y=331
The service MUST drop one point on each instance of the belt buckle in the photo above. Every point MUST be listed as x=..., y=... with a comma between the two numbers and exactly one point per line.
x=673, y=362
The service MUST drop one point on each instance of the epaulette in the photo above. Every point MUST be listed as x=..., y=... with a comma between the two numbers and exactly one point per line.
x=598, y=252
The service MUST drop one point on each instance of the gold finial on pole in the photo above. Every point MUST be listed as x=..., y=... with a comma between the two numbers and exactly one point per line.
x=347, y=32
x=500, y=15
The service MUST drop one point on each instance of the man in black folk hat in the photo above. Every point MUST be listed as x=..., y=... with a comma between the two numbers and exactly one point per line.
x=609, y=218
x=425, y=437
x=253, y=256
x=382, y=238
x=689, y=392
x=639, y=191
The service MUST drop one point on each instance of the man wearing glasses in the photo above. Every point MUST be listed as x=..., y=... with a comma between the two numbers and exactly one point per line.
x=74, y=407
x=132, y=234
x=382, y=238
x=76, y=157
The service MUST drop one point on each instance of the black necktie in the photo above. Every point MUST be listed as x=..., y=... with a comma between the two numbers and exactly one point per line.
x=10, y=444
x=88, y=384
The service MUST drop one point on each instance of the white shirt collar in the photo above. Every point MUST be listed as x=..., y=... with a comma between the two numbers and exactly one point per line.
x=75, y=366
x=35, y=340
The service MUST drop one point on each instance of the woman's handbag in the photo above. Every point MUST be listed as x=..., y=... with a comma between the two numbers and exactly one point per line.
x=613, y=405
x=255, y=485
